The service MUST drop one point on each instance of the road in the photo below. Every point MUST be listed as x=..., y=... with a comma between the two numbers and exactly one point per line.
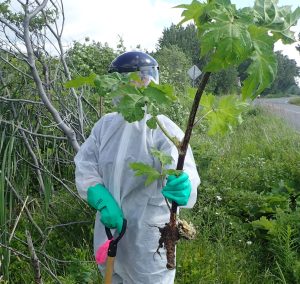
x=291, y=113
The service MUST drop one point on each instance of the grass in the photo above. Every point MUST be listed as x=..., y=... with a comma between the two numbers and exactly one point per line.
x=7, y=169
x=295, y=101
x=240, y=172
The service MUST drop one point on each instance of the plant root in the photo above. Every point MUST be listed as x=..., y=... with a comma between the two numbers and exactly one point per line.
x=169, y=236
x=186, y=230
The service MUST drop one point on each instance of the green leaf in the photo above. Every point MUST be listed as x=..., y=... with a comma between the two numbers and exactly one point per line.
x=264, y=224
x=207, y=101
x=262, y=72
x=161, y=94
x=156, y=95
x=192, y=11
x=130, y=107
x=191, y=92
x=228, y=52
x=222, y=113
x=162, y=157
x=81, y=81
x=123, y=90
x=169, y=172
x=151, y=123
x=263, y=69
x=105, y=84
x=226, y=36
x=276, y=19
x=134, y=76
x=229, y=37
x=134, y=98
x=144, y=169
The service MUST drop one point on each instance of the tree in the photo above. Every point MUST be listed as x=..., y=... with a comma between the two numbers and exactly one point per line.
x=24, y=36
x=183, y=37
x=224, y=82
x=39, y=116
x=86, y=58
x=284, y=81
x=173, y=66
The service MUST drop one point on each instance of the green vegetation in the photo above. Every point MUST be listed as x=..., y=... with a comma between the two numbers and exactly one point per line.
x=247, y=212
x=225, y=82
x=247, y=225
x=284, y=84
x=295, y=101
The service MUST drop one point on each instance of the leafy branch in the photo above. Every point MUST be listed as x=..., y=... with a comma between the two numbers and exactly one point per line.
x=152, y=174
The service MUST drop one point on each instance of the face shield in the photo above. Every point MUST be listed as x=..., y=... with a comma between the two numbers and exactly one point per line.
x=148, y=74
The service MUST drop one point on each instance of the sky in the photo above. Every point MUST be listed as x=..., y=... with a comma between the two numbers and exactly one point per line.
x=138, y=22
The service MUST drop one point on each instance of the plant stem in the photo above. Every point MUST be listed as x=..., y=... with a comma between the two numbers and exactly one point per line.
x=182, y=153
x=173, y=139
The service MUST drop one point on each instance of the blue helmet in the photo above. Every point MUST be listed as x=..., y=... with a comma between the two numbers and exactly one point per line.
x=133, y=61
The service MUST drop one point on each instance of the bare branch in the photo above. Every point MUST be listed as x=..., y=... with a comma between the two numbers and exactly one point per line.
x=9, y=25
x=17, y=221
x=63, y=17
x=67, y=72
x=67, y=224
x=91, y=106
x=68, y=131
x=13, y=44
x=37, y=10
x=44, y=169
x=36, y=162
x=16, y=68
x=14, y=251
x=32, y=133
x=26, y=209
x=34, y=260
x=21, y=101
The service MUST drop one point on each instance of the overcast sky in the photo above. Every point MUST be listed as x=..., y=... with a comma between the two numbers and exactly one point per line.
x=136, y=21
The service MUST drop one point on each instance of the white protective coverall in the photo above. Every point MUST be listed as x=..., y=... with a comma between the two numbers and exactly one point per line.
x=104, y=158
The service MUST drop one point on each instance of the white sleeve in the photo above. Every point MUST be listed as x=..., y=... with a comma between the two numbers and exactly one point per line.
x=86, y=162
x=163, y=143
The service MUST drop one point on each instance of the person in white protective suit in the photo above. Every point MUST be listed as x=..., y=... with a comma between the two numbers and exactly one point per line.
x=105, y=180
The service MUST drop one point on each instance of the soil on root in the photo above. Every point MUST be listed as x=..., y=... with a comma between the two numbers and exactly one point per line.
x=170, y=235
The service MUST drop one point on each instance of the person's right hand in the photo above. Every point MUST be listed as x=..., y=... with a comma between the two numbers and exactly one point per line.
x=101, y=199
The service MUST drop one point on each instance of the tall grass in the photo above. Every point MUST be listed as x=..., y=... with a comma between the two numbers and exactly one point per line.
x=8, y=169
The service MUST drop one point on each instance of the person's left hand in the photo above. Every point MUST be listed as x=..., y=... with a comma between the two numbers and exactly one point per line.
x=178, y=189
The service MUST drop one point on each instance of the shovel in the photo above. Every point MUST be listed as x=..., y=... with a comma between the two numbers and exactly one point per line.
x=112, y=252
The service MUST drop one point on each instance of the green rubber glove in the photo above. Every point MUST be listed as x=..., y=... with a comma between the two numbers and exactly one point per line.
x=178, y=189
x=101, y=199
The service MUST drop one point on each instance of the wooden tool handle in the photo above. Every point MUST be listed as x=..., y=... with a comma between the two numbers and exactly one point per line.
x=109, y=270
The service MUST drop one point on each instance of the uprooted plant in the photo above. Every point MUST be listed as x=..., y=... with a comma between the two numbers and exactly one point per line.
x=229, y=37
